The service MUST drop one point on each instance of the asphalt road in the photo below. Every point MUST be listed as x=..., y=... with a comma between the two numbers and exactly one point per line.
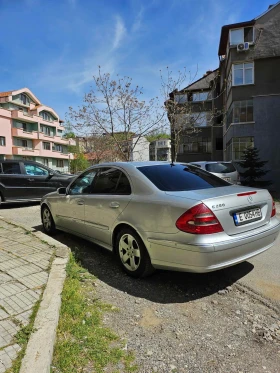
x=261, y=273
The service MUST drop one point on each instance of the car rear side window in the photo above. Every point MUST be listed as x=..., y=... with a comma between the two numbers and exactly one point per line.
x=111, y=181
x=220, y=168
x=177, y=177
x=11, y=168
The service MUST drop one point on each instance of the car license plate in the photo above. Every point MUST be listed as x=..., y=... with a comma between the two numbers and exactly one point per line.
x=226, y=179
x=244, y=217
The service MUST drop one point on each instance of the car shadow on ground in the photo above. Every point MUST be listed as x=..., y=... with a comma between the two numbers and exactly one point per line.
x=163, y=286
x=18, y=205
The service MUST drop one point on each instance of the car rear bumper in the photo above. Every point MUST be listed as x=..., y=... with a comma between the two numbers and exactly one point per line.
x=215, y=256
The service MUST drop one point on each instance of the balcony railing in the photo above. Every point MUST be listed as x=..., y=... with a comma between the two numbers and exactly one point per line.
x=21, y=150
x=20, y=132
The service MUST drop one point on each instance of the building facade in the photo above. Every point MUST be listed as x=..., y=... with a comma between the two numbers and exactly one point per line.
x=160, y=150
x=249, y=55
x=197, y=122
x=33, y=131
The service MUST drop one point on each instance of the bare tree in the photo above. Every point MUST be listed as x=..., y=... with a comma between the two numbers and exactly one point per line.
x=184, y=117
x=99, y=148
x=114, y=107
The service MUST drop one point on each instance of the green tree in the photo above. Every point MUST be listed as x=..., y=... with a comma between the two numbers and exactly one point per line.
x=79, y=163
x=253, y=169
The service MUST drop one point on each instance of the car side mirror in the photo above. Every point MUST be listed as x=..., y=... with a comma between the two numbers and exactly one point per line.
x=50, y=175
x=61, y=190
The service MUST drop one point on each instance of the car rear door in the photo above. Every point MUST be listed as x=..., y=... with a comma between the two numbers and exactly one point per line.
x=38, y=181
x=110, y=195
x=12, y=181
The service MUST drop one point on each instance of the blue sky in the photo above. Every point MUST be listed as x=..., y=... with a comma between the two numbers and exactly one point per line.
x=54, y=47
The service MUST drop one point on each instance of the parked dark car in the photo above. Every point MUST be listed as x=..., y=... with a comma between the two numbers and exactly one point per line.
x=22, y=180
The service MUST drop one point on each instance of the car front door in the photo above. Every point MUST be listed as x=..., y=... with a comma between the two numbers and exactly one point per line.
x=70, y=209
x=12, y=181
x=111, y=193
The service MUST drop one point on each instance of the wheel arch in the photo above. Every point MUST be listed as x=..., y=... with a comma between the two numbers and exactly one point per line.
x=118, y=228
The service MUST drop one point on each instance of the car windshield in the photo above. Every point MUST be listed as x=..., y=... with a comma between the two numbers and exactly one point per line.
x=179, y=177
x=220, y=168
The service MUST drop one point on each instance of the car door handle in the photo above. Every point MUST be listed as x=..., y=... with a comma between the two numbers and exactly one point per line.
x=30, y=179
x=80, y=202
x=114, y=205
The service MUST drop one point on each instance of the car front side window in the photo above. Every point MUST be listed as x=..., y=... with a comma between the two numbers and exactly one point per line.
x=34, y=170
x=83, y=184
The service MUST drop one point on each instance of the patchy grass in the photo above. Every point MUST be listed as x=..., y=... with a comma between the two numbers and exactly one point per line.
x=83, y=343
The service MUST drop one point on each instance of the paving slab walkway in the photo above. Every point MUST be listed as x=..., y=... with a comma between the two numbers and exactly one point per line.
x=24, y=266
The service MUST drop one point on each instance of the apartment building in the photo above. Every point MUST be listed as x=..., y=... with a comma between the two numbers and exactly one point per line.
x=31, y=130
x=237, y=105
x=197, y=120
x=160, y=150
x=249, y=55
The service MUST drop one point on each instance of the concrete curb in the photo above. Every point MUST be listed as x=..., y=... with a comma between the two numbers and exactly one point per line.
x=39, y=351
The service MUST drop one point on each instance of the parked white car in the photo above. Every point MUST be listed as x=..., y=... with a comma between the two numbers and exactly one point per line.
x=224, y=170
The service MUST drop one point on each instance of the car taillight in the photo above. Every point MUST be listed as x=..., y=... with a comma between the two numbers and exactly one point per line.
x=273, y=212
x=199, y=220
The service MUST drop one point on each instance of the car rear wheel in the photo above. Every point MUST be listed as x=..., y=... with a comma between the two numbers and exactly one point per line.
x=132, y=254
x=47, y=221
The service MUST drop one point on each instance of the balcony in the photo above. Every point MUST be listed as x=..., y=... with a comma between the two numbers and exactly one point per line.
x=20, y=115
x=19, y=150
x=60, y=155
x=19, y=132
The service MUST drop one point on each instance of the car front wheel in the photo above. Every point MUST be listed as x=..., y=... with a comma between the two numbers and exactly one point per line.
x=47, y=221
x=132, y=254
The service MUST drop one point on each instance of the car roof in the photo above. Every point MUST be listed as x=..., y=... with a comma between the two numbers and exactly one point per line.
x=132, y=164
x=203, y=162
x=18, y=160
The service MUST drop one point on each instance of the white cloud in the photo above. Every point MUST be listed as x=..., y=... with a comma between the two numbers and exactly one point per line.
x=138, y=21
x=120, y=32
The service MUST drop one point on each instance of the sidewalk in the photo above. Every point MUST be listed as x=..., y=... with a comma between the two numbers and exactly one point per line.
x=25, y=262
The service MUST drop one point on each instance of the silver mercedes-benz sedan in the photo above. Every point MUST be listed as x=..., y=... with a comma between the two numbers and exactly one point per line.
x=162, y=215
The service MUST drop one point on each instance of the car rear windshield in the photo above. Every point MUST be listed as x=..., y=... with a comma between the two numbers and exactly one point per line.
x=178, y=177
x=220, y=168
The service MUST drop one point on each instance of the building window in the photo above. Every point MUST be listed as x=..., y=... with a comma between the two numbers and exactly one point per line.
x=240, y=112
x=58, y=148
x=199, y=119
x=59, y=163
x=46, y=161
x=181, y=99
x=201, y=96
x=48, y=131
x=242, y=35
x=243, y=73
x=24, y=127
x=47, y=145
x=196, y=145
x=24, y=99
x=237, y=145
x=2, y=141
x=219, y=143
x=46, y=116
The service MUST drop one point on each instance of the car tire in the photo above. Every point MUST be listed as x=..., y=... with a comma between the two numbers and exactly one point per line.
x=47, y=221
x=132, y=254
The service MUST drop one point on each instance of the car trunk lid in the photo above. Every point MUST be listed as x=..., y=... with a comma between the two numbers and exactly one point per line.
x=238, y=209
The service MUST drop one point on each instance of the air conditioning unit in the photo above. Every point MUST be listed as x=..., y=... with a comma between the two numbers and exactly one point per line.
x=242, y=47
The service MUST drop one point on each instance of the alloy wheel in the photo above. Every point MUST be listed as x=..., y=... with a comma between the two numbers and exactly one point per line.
x=129, y=252
x=47, y=220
